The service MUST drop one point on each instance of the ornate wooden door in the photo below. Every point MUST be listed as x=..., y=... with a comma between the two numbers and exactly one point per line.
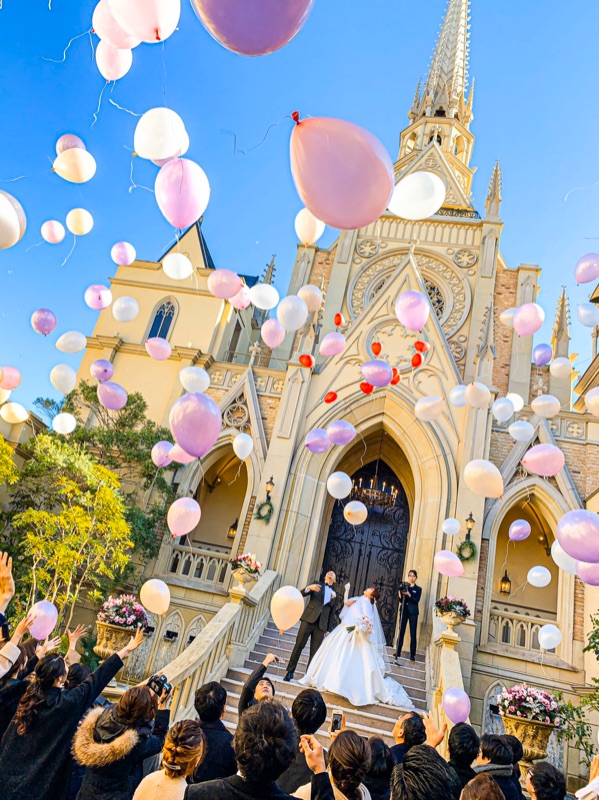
x=372, y=554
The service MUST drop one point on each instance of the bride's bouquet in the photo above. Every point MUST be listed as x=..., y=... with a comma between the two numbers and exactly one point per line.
x=363, y=626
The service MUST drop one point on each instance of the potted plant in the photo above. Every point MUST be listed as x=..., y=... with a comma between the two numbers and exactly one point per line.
x=452, y=611
x=117, y=621
x=245, y=569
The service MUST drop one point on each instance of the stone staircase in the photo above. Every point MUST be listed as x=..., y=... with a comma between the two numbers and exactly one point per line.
x=368, y=721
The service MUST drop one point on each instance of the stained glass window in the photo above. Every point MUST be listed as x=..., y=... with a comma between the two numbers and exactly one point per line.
x=163, y=319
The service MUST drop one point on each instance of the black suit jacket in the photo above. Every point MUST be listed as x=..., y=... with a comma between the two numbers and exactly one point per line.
x=219, y=759
x=316, y=611
x=410, y=606
x=236, y=788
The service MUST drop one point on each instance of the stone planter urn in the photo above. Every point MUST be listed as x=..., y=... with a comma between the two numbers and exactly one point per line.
x=451, y=619
x=111, y=638
x=534, y=736
x=243, y=578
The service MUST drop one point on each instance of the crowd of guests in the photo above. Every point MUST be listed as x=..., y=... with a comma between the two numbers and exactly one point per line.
x=61, y=741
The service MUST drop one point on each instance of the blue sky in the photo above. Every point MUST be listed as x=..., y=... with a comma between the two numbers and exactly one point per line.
x=534, y=108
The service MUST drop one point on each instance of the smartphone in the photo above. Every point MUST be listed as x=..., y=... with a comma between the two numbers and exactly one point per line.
x=336, y=722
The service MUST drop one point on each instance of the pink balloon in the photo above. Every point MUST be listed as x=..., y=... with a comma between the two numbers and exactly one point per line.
x=182, y=192
x=519, y=530
x=456, y=704
x=272, y=332
x=183, y=516
x=545, y=460
x=113, y=63
x=112, y=396
x=578, y=534
x=447, y=563
x=412, y=309
x=43, y=321
x=123, y=254
x=341, y=432
x=101, y=370
x=68, y=141
x=98, y=296
x=12, y=378
x=179, y=455
x=46, y=617
x=588, y=573
x=242, y=299
x=159, y=349
x=587, y=269
x=528, y=319
x=150, y=20
x=195, y=421
x=53, y=231
x=317, y=441
x=332, y=344
x=253, y=27
x=161, y=454
x=224, y=283
x=377, y=372
x=107, y=28
x=342, y=173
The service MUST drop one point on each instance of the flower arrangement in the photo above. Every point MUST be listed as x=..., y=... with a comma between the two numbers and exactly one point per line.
x=124, y=611
x=529, y=703
x=452, y=605
x=363, y=626
x=248, y=563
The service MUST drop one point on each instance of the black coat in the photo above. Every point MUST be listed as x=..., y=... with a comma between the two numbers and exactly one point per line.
x=464, y=774
x=316, y=611
x=114, y=767
x=379, y=788
x=409, y=605
x=296, y=775
x=235, y=788
x=398, y=752
x=504, y=777
x=38, y=764
x=246, y=698
x=11, y=691
x=219, y=759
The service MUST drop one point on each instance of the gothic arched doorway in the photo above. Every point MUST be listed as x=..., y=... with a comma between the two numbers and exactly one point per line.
x=372, y=553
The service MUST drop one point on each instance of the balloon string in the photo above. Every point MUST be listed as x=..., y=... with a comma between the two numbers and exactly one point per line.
x=238, y=474
x=91, y=43
x=260, y=143
x=99, y=105
x=122, y=108
x=136, y=185
x=517, y=590
x=33, y=245
x=163, y=73
x=580, y=189
x=543, y=651
x=64, y=55
x=12, y=180
x=70, y=252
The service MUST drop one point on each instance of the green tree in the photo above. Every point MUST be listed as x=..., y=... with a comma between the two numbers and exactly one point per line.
x=8, y=470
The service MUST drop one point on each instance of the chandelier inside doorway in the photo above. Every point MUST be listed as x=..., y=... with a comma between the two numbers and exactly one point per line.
x=376, y=493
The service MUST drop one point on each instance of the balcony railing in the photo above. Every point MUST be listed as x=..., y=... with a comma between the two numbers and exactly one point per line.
x=205, y=568
x=518, y=629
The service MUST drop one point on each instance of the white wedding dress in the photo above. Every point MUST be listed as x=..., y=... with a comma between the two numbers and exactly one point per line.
x=353, y=664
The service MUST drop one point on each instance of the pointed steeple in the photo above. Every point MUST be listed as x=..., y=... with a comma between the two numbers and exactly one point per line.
x=269, y=274
x=494, y=194
x=486, y=350
x=560, y=339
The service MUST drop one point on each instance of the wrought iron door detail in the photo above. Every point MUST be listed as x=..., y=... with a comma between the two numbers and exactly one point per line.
x=372, y=554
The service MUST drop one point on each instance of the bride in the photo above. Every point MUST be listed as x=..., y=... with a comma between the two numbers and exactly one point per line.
x=352, y=660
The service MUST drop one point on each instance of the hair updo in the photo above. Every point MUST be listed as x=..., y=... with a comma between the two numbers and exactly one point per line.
x=376, y=595
x=349, y=761
x=184, y=748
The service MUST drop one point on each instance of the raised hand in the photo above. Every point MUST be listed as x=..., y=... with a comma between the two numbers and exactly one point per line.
x=132, y=644
x=314, y=753
x=271, y=658
x=7, y=583
x=434, y=735
x=21, y=628
x=47, y=647
x=75, y=635
x=334, y=734
x=313, y=587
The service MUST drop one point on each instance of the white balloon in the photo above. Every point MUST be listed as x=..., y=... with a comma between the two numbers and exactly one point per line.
x=264, y=296
x=194, y=379
x=418, y=196
x=562, y=559
x=125, y=309
x=561, y=368
x=517, y=401
x=64, y=423
x=451, y=526
x=591, y=401
x=483, y=478
x=588, y=314
x=177, y=266
x=312, y=297
x=292, y=313
x=546, y=405
x=507, y=317
x=428, y=409
x=13, y=413
x=4, y=395
x=503, y=409
x=478, y=395
x=12, y=220
x=457, y=396
x=159, y=134
x=79, y=221
x=63, y=378
x=113, y=62
x=539, y=577
x=309, y=229
x=355, y=512
x=286, y=607
x=72, y=342
x=149, y=20
x=243, y=444
x=75, y=165
x=339, y=485
x=155, y=596
x=550, y=637
x=53, y=231
x=521, y=431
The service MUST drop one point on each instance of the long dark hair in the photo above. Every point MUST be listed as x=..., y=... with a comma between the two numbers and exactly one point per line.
x=137, y=706
x=376, y=594
x=349, y=761
x=47, y=671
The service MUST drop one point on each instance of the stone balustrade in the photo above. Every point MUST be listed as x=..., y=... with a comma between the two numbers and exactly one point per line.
x=444, y=671
x=517, y=628
x=203, y=569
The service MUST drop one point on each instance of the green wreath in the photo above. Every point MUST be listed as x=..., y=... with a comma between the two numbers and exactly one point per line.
x=466, y=551
x=264, y=511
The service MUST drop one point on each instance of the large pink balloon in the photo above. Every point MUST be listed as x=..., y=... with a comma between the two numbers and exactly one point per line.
x=112, y=396
x=11, y=378
x=123, y=254
x=161, y=454
x=253, y=27
x=242, y=299
x=317, y=441
x=179, y=455
x=182, y=192
x=528, y=319
x=98, y=296
x=183, y=516
x=456, y=705
x=588, y=573
x=273, y=333
x=342, y=173
x=46, y=617
x=332, y=344
x=519, y=530
x=43, y=321
x=412, y=309
x=68, y=141
x=377, y=372
x=578, y=534
x=101, y=370
x=107, y=28
x=447, y=563
x=195, y=421
x=545, y=460
x=224, y=283
x=113, y=63
x=158, y=348
x=149, y=20
x=341, y=432
x=587, y=269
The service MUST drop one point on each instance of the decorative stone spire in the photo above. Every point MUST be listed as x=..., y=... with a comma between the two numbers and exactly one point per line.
x=269, y=274
x=560, y=339
x=494, y=194
x=486, y=349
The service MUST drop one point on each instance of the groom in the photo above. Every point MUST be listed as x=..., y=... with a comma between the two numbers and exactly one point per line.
x=315, y=620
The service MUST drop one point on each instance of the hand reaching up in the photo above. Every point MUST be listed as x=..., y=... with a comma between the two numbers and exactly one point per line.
x=21, y=628
x=47, y=647
x=313, y=751
x=132, y=644
x=75, y=635
x=7, y=583
x=271, y=658
x=434, y=735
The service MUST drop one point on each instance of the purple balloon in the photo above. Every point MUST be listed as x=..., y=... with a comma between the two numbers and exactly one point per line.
x=43, y=321
x=98, y=296
x=588, y=573
x=448, y=564
x=182, y=192
x=542, y=354
x=519, y=530
x=456, y=704
x=376, y=372
x=196, y=423
x=273, y=333
x=587, y=269
x=545, y=460
x=101, y=370
x=317, y=441
x=341, y=432
x=332, y=344
x=123, y=254
x=46, y=617
x=578, y=534
x=179, y=455
x=68, y=141
x=158, y=349
x=528, y=319
x=112, y=396
x=160, y=454
x=412, y=309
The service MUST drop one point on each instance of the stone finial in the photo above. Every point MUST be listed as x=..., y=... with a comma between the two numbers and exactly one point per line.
x=269, y=274
x=494, y=196
x=560, y=339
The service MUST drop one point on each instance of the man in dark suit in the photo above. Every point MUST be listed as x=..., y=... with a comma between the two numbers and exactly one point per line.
x=409, y=613
x=219, y=757
x=315, y=620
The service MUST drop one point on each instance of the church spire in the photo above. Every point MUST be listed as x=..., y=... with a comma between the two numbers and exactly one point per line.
x=494, y=194
x=269, y=274
x=560, y=340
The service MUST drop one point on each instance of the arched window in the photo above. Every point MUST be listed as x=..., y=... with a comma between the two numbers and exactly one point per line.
x=163, y=319
x=436, y=297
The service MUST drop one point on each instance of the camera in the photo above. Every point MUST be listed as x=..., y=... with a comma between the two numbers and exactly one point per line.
x=159, y=684
x=404, y=586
